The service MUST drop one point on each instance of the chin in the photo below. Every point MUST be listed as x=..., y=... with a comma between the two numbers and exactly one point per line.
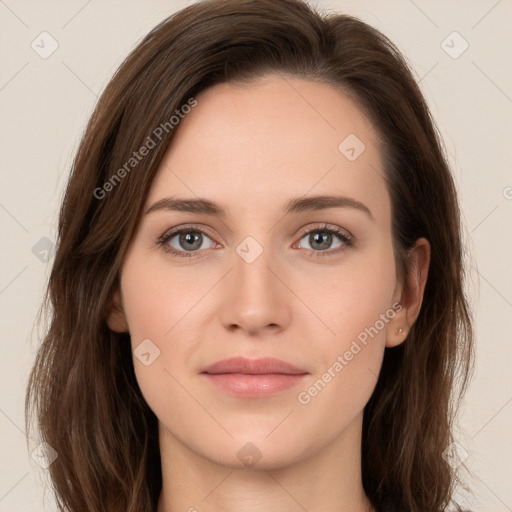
x=257, y=454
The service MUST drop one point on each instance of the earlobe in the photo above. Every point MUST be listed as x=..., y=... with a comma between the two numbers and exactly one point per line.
x=412, y=293
x=116, y=318
x=398, y=327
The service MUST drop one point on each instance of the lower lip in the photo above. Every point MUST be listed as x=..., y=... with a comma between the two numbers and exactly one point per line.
x=253, y=386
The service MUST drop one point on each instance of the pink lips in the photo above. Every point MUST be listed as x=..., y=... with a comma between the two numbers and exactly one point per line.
x=253, y=378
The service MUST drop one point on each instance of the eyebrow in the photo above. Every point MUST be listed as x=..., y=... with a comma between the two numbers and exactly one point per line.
x=295, y=205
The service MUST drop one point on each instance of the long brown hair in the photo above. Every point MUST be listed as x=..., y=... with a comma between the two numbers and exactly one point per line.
x=82, y=390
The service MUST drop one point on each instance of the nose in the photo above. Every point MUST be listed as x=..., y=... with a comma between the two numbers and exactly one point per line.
x=257, y=300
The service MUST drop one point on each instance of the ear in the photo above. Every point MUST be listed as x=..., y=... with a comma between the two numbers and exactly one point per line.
x=116, y=318
x=410, y=297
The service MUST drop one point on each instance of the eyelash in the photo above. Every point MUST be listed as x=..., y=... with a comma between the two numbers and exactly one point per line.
x=324, y=228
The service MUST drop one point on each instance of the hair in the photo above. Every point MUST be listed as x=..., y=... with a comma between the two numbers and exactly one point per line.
x=82, y=390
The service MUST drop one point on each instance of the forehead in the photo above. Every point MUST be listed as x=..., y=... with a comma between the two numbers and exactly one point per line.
x=255, y=146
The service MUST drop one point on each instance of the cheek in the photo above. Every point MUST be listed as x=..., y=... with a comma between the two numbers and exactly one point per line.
x=351, y=298
x=154, y=298
x=155, y=306
x=356, y=308
x=162, y=303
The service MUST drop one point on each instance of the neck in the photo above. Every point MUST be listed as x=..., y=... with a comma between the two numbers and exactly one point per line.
x=326, y=481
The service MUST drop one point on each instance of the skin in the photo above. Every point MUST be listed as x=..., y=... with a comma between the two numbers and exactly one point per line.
x=251, y=149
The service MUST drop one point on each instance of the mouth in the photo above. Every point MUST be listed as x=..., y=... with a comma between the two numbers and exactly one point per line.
x=253, y=378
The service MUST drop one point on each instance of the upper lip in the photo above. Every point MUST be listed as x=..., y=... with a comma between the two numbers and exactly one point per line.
x=263, y=366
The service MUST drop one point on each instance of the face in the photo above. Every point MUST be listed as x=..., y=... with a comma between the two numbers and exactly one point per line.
x=311, y=283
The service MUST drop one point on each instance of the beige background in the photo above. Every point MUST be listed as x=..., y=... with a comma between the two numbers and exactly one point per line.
x=46, y=102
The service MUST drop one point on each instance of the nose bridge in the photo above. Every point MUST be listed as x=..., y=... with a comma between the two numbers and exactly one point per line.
x=252, y=262
x=253, y=278
x=255, y=297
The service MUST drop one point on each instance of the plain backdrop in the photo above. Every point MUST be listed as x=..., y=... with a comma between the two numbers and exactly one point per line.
x=46, y=99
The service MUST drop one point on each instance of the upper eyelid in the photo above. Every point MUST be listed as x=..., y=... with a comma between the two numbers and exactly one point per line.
x=192, y=227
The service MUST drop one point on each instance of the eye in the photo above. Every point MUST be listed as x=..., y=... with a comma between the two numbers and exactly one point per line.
x=321, y=240
x=185, y=242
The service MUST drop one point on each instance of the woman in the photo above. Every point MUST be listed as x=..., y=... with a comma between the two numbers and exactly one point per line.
x=257, y=296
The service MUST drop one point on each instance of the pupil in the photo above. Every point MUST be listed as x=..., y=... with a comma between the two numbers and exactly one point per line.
x=190, y=240
x=323, y=240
